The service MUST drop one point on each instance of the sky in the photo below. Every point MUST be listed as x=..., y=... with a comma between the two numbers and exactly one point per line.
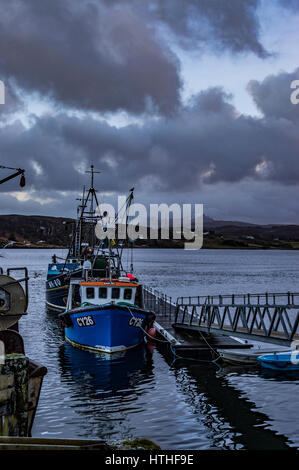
x=186, y=100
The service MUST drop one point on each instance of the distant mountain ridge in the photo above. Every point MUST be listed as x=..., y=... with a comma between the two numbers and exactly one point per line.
x=209, y=222
x=246, y=229
x=57, y=230
x=35, y=229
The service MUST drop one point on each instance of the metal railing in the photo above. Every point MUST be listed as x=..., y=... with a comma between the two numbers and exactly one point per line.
x=288, y=298
x=272, y=317
x=158, y=302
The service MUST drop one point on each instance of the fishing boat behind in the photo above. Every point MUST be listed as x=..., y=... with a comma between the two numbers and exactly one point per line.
x=83, y=246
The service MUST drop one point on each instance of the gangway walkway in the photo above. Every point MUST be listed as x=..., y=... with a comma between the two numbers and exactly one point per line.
x=272, y=318
x=183, y=343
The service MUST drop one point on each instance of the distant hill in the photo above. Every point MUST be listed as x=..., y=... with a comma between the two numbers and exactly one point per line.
x=35, y=229
x=243, y=229
x=41, y=231
x=211, y=223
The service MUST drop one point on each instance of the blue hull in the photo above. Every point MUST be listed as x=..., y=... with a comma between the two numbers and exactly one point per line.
x=57, y=286
x=107, y=328
x=281, y=361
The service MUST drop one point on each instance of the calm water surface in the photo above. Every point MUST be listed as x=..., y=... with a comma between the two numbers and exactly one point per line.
x=140, y=394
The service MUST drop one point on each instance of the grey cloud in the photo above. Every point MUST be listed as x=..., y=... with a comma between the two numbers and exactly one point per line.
x=205, y=142
x=272, y=95
x=290, y=4
x=211, y=101
x=13, y=101
x=109, y=55
x=48, y=203
x=231, y=25
x=85, y=55
x=251, y=201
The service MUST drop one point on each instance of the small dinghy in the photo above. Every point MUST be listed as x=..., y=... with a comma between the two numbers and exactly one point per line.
x=239, y=356
x=280, y=361
x=250, y=356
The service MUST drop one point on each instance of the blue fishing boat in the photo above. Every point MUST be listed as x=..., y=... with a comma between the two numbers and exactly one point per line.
x=104, y=306
x=108, y=317
x=280, y=361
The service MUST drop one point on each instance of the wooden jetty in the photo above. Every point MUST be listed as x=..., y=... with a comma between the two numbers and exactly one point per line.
x=179, y=342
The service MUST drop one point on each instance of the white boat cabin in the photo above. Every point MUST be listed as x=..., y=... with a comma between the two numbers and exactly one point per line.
x=102, y=292
x=106, y=291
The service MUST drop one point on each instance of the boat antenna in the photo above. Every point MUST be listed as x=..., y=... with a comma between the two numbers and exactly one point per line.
x=92, y=191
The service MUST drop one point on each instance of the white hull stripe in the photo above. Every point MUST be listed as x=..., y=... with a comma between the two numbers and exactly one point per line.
x=99, y=348
x=58, y=308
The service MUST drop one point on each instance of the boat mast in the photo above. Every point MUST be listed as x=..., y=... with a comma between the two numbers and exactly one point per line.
x=115, y=260
x=127, y=204
x=83, y=216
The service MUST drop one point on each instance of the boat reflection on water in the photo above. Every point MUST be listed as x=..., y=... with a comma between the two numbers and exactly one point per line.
x=105, y=390
x=97, y=374
x=227, y=369
x=280, y=376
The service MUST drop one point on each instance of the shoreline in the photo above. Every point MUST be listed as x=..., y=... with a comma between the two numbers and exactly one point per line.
x=217, y=247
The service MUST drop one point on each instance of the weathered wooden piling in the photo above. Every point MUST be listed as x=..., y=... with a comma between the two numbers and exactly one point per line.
x=14, y=377
x=20, y=384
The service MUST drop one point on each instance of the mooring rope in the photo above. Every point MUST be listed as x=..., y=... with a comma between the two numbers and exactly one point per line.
x=145, y=332
x=214, y=361
x=171, y=344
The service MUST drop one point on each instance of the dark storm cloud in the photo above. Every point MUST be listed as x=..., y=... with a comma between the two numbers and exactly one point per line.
x=12, y=103
x=272, y=95
x=251, y=201
x=231, y=25
x=85, y=55
x=110, y=55
x=205, y=142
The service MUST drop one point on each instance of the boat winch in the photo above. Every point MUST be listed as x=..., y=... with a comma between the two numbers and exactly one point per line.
x=13, y=299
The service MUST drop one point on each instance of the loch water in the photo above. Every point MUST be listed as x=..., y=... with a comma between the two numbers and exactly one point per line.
x=141, y=393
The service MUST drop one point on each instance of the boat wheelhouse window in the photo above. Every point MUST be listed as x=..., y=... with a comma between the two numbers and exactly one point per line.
x=90, y=292
x=102, y=292
x=127, y=294
x=115, y=293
